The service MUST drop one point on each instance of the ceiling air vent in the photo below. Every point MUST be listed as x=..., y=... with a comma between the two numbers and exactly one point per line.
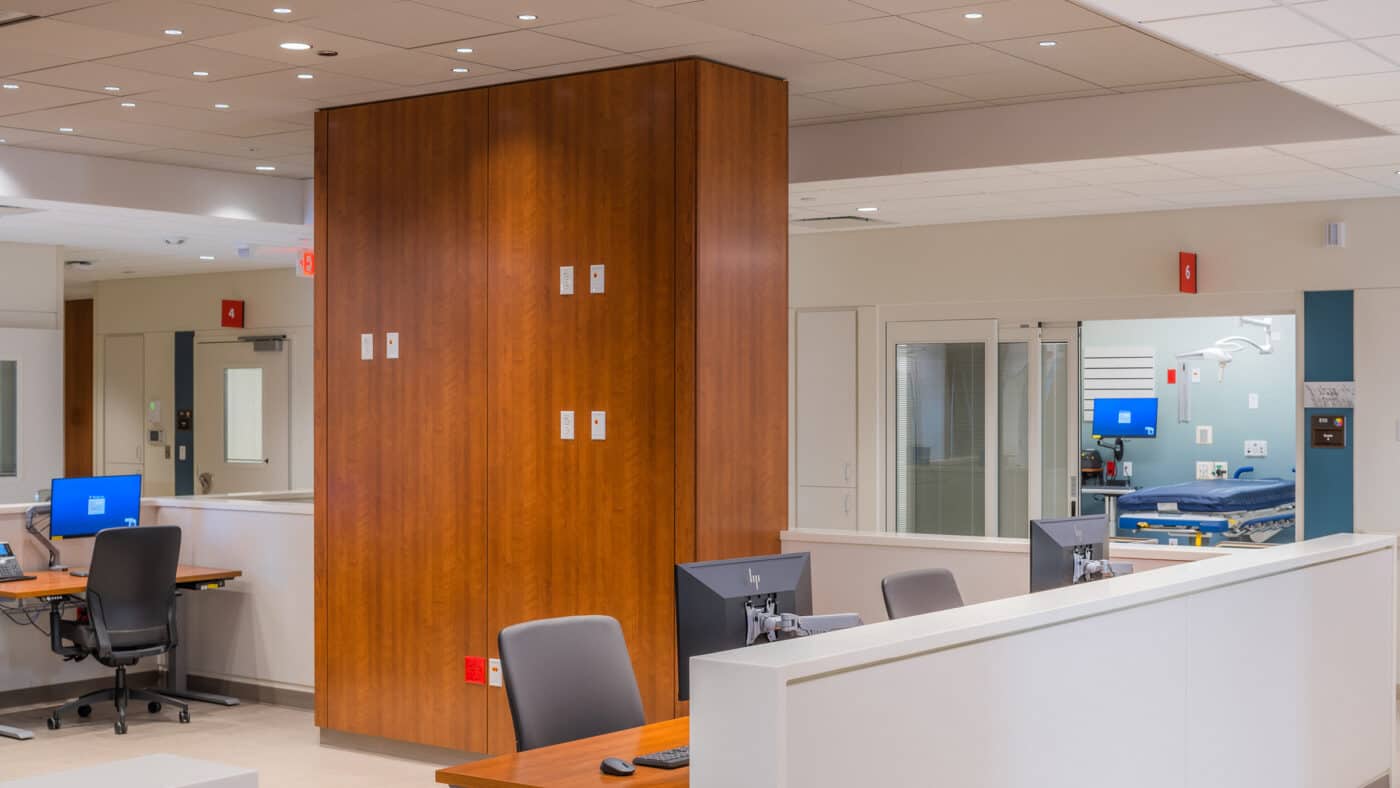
x=837, y=222
x=14, y=17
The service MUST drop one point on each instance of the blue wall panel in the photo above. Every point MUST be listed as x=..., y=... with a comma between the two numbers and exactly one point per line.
x=1328, y=505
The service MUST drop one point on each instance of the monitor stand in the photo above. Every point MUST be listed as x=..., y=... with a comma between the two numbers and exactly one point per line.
x=55, y=560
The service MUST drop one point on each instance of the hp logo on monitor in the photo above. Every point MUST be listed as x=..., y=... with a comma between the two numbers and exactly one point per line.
x=754, y=579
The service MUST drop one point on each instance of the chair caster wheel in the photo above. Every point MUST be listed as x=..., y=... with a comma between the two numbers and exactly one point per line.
x=119, y=726
x=84, y=711
x=53, y=723
x=153, y=707
x=185, y=716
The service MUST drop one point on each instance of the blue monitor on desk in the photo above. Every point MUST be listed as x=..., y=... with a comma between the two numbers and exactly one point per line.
x=83, y=506
x=1125, y=418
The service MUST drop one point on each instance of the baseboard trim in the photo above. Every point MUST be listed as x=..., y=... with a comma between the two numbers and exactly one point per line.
x=62, y=693
x=256, y=693
x=440, y=756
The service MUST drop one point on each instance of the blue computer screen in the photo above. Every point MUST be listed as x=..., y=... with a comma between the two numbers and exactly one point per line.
x=84, y=506
x=1125, y=418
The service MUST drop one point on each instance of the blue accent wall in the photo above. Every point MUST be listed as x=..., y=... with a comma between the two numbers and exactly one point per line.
x=184, y=400
x=1328, y=320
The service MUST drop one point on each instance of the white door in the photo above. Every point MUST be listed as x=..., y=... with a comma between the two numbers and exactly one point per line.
x=826, y=419
x=1038, y=449
x=123, y=408
x=241, y=417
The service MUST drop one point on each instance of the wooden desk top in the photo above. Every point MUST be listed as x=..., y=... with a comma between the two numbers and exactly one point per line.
x=51, y=583
x=575, y=763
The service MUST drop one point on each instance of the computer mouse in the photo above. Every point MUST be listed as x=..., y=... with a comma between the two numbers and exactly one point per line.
x=617, y=767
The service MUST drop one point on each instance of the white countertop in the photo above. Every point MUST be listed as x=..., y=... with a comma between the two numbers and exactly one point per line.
x=986, y=544
x=793, y=660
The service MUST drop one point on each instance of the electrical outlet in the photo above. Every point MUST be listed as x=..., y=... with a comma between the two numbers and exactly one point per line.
x=493, y=673
x=1128, y=469
x=1203, y=470
x=1254, y=402
x=1256, y=448
x=1205, y=435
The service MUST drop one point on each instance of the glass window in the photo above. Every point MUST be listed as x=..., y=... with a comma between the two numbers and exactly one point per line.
x=1055, y=435
x=940, y=438
x=1013, y=428
x=9, y=418
x=243, y=415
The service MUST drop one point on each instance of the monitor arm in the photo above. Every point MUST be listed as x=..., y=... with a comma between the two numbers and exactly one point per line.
x=1087, y=568
x=766, y=622
x=1116, y=446
x=55, y=561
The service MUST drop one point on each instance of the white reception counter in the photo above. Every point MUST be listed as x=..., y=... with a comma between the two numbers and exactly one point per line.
x=1259, y=668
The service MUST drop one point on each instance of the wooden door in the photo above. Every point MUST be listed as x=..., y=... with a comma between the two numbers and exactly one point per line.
x=582, y=173
x=404, y=536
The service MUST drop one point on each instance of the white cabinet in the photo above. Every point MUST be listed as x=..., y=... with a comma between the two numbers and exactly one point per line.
x=826, y=419
x=826, y=507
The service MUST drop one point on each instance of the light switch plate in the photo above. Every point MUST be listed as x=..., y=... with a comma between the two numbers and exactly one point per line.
x=566, y=425
x=1205, y=436
x=1253, y=401
x=595, y=279
x=566, y=280
x=1195, y=374
x=182, y=453
x=1128, y=469
x=367, y=347
x=600, y=425
x=493, y=673
x=391, y=345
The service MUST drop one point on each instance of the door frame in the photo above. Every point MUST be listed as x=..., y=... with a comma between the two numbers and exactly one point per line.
x=227, y=337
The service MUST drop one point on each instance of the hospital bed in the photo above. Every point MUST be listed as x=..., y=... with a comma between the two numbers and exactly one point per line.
x=1204, y=513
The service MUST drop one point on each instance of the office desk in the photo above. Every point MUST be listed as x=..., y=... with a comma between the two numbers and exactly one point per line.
x=52, y=588
x=575, y=763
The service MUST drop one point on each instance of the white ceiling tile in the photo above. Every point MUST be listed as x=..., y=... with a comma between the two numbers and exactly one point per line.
x=834, y=75
x=234, y=122
x=1230, y=197
x=301, y=9
x=67, y=143
x=900, y=95
x=264, y=42
x=1120, y=204
x=67, y=40
x=49, y=7
x=1386, y=46
x=1238, y=161
x=915, y=6
x=1067, y=193
x=1341, y=191
x=1089, y=165
x=1097, y=56
x=773, y=16
x=1279, y=180
x=404, y=24
x=808, y=108
x=94, y=76
x=747, y=51
x=150, y=19
x=639, y=29
x=1356, y=18
x=32, y=96
x=521, y=49
x=942, y=62
x=1014, y=19
x=866, y=37
x=1381, y=113
x=1053, y=96
x=1176, y=185
x=1352, y=90
x=274, y=91
x=1244, y=31
x=405, y=68
x=1315, y=61
x=578, y=66
x=1024, y=79
x=549, y=12
x=182, y=60
x=188, y=158
x=14, y=60
x=1152, y=10
x=1355, y=157
x=1387, y=175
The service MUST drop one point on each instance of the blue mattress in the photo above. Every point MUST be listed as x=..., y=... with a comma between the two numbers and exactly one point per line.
x=1221, y=495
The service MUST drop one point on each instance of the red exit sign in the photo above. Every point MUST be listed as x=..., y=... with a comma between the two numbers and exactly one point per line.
x=306, y=266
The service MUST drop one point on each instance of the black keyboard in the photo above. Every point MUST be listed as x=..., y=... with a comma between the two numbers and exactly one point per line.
x=15, y=578
x=666, y=759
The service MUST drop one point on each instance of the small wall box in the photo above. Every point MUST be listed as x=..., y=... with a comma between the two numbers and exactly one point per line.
x=1329, y=431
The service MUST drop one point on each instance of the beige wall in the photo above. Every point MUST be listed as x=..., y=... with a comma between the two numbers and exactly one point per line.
x=275, y=301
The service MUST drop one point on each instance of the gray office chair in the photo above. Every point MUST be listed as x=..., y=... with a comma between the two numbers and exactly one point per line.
x=130, y=615
x=568, y=678
x=920, y=591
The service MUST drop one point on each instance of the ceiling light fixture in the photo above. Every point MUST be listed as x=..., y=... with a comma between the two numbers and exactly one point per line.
x=265, y=168
x=527, y=17
x=128, y=104
x=972, y=15
x=1049, y=43
x=281, y=10
x=65, y=130
x=306, y=76
x=200, y=73
x=867, y=209
x=465, y=50
x=295, y=46
x=174, y=32
x=220, y=106
x=112, y=89
x=206, y=257
x=460, y=70
x=10, y=86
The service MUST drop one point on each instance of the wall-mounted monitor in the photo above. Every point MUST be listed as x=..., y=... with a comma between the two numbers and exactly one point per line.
x=1125, y=418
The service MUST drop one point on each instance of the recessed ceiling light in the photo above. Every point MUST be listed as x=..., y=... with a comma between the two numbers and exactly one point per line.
x=2, y=140
x=220, y=106
x=1049, y=43
x=527, y=17
x=128, y=104
x=465, y=50
x=460, y=70
x=295, y=46
x=10, y=86
x=65, y=129
x=112, y=89
x=265, y=168
x=206, y=257
x=972, y=15
x=171, y=31
x=281, y=10
x=868, y=209
x=200, y=73
x=306, y=76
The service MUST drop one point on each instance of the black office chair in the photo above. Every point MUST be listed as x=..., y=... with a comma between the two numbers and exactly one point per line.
x=568, y=678
x=130, y=615
x=920, y=591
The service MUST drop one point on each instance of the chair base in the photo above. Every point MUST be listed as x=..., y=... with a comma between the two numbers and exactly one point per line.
x=120, y=695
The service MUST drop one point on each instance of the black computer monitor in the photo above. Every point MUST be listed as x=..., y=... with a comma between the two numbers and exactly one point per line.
x=1060, y=550
x=713, y=599
x=82, y=506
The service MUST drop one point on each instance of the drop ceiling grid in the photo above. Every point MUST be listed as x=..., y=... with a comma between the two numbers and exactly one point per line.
x=830, y=49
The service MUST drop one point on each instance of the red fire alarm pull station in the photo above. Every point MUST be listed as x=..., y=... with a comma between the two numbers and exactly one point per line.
x=476, y=670
x=1190, y=272
x=232, y=314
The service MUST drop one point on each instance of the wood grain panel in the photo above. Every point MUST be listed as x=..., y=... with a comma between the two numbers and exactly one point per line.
x=77, y=388
x=321, y=460
x=582, y=172
x=575, y=764
x=741, y=319
x=404, y=546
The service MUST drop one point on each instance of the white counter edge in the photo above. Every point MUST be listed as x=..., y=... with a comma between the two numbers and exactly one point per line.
x=985, y=544
x=794, y=660
x=234, y=505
